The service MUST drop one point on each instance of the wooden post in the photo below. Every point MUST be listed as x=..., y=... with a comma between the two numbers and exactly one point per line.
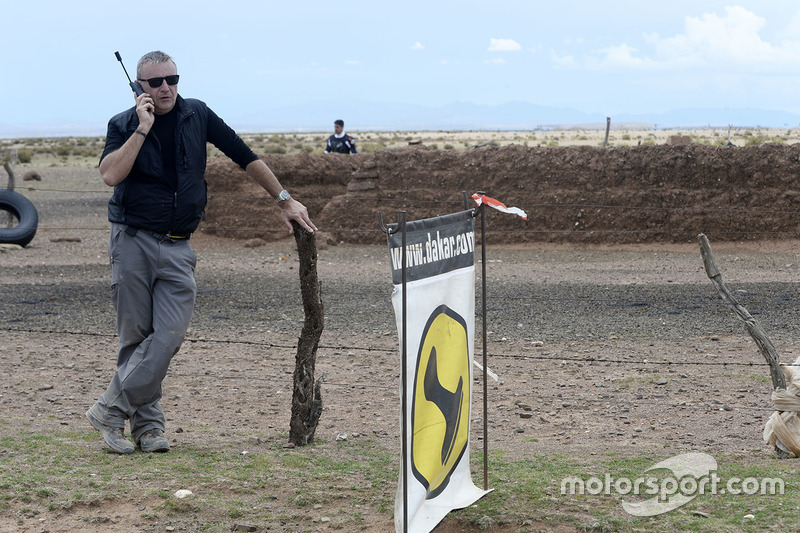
x=8, y=163
x=755, y=330
x=608, y=128
x=9, y=166
x=10, y=171
x=306, y=396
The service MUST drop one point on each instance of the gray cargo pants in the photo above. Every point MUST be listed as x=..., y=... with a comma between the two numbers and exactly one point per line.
x=153, y=290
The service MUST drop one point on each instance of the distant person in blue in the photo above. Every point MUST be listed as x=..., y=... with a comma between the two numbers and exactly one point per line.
x=340, y=142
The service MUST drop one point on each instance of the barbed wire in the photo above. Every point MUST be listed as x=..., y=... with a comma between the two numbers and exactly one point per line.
x=265, y=344
x=405, y=200
x=393, y=389
x=575, y=403
x=376, y=231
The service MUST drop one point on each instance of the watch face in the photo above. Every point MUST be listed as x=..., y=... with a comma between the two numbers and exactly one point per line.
x=284, y=195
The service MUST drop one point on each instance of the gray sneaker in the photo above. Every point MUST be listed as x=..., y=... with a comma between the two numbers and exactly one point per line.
x=114, y=437
x=153, y=440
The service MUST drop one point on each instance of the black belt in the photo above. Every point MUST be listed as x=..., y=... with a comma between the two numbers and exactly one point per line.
x=159, y=236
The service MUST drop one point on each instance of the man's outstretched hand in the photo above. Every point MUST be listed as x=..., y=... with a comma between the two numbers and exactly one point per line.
x=291, y=209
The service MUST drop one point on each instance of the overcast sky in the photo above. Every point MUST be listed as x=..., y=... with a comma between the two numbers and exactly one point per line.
x=609, y=57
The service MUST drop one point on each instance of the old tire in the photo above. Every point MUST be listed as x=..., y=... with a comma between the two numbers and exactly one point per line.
x=26, y=214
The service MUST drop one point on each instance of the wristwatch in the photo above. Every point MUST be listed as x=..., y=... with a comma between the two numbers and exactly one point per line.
x=283, y=195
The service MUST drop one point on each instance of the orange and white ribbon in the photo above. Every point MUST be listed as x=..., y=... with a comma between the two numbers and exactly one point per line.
x=497, y=204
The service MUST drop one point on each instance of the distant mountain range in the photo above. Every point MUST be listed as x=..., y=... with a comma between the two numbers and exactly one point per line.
x=382, y=116
x=386, y=116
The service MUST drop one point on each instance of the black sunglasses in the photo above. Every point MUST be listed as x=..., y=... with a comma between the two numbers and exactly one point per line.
x=156, y=82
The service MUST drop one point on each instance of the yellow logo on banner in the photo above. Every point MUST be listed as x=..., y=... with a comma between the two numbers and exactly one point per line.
x=440, y=409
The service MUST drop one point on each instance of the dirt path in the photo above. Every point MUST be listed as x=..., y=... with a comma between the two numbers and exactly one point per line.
x=625, y=349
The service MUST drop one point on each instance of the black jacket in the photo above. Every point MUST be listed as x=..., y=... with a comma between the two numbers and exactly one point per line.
x=341, y=145
x=146, y=198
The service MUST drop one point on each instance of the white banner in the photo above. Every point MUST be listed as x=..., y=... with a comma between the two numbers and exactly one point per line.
x=440, y=301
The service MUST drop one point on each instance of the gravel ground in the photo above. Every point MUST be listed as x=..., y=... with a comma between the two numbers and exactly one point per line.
x=597, y=340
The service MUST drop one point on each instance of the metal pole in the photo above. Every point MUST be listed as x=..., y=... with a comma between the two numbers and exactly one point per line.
x=404, y=378
x=485, y=365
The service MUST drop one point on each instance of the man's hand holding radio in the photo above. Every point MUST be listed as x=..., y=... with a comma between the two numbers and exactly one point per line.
x=145, y=110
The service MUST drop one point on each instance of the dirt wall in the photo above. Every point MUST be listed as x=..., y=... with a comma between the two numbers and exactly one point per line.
x=571, y=194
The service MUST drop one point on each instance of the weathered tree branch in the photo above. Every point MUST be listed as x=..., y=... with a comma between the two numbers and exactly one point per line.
x=755, y=330
x=306, y=397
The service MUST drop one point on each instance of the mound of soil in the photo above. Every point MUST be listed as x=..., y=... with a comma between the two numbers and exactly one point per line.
x=572, y=194
x=623, y=351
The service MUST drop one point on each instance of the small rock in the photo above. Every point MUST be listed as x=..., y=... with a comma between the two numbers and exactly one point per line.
x=341, y=436
x=243, y=527
x=526, y=415
x=749, y=516
x=662, y=381
x=700, y=513
x=485, y=523
x=182, y=493
x=289, y=445
x=254, y=243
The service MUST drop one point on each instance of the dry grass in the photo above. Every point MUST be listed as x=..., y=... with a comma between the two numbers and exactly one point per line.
x=85, y=151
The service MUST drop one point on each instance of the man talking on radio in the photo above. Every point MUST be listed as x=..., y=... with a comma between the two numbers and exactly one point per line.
x=155, y=158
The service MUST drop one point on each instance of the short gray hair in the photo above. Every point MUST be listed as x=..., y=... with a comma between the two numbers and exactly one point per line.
x=152, y=57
